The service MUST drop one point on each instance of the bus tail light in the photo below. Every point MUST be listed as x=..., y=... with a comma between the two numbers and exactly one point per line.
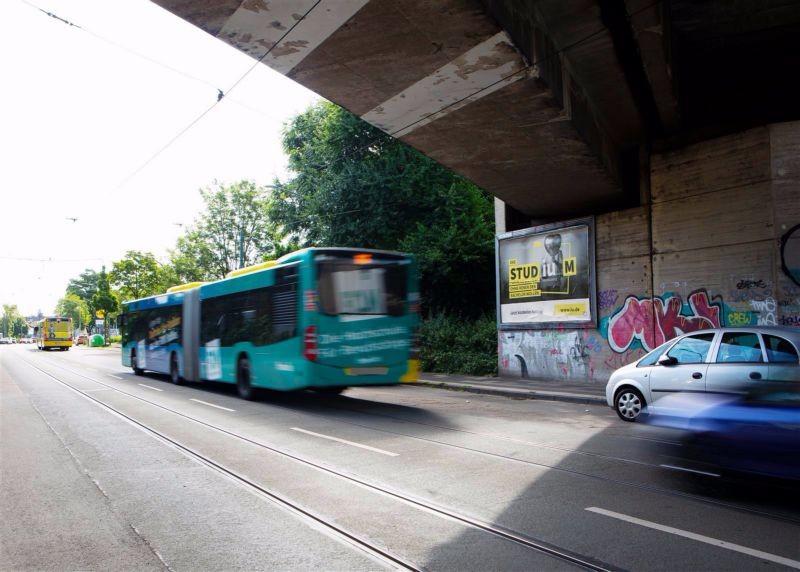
x=310, y=300
x=310, y=344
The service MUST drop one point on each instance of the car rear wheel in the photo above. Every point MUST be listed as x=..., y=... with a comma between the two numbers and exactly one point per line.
x=629, y=403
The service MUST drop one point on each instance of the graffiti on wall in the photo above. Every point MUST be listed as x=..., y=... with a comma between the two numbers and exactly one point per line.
x=607, y=299
x=748, y=284
x=633, y=325
x=789, y=305
x=766, y=311
x=555, y=353
x=790, y=254
x=653, y=321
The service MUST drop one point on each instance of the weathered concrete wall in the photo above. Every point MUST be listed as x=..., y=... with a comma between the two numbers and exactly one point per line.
x=705, y=252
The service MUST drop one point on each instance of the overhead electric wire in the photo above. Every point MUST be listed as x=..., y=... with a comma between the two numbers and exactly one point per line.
x=122, y=47
x=219, y=99
x=159, y=63
x=221, y=94
x=368, y=144
x=49, y=259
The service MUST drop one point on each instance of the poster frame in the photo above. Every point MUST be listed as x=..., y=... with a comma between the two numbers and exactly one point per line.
x=589, y=222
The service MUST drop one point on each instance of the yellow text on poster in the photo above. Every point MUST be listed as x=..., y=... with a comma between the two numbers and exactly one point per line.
x=523, y=280
x=570, y=266
x=570, y=309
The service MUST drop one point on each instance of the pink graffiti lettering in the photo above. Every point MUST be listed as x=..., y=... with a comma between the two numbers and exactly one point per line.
x=655, y=321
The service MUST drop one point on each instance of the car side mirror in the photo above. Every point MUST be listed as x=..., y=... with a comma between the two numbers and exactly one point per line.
x=667, y=360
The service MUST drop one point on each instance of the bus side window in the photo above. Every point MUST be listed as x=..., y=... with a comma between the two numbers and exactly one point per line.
x=284, y=312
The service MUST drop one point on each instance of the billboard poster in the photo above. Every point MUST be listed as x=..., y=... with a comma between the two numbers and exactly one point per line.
x=545, y=276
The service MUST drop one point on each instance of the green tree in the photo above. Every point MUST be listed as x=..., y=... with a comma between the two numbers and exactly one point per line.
x=353, y=185
x=104, y=299
x=137, y=275
x=192, y=258
x=85, y=287
x=10, y=320
x=456, y=253
x=19, y=327
x=233, y=231
x=76, y=308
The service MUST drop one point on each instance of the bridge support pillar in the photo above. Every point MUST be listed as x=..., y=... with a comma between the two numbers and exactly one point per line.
x=717, y=244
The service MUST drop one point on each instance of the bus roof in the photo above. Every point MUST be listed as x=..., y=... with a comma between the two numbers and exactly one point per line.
x=341, y=250
x=248, y=279
x=157, y=301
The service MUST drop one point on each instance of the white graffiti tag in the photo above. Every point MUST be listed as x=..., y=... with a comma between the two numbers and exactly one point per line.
x=766, y=311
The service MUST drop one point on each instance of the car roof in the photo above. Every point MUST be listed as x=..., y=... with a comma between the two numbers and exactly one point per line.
x=784, y=331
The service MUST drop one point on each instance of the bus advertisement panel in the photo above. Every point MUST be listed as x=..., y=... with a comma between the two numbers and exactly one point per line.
x=54, y=332
x=320, y=318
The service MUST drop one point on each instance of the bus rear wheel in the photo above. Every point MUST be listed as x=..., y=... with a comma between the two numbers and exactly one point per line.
x=329, y=390
x=243, y=387
x=136, y=370
x=174, y=374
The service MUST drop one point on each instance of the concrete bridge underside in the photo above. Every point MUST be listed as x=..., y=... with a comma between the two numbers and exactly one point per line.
x=551, y=106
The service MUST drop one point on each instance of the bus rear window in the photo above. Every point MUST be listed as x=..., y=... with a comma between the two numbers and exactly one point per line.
x=349, y=288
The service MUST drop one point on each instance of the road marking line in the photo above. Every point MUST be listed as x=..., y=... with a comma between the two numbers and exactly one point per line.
x=114, y=376
x=153, y=388
x=655, y=440
x=211, y=404
x=367, y=447
x=689, y=470
x=100, y=389
x=699, y=537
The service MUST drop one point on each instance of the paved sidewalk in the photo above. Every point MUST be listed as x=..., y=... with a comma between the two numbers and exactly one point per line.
x=588, y=392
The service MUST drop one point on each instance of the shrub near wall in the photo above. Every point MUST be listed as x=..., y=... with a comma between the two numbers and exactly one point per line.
x=450, y=344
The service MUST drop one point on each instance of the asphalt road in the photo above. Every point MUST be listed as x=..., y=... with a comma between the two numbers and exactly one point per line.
x=101, y=469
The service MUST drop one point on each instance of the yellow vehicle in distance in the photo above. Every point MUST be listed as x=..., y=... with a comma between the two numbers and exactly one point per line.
x=54, y=332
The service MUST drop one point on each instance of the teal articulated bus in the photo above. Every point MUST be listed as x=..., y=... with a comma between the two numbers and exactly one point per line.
x=319, y=318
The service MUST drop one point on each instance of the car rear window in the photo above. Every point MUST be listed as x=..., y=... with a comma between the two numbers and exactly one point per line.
x=740, y=347
x=780, y=350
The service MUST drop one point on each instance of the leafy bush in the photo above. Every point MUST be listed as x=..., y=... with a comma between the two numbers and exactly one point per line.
x=450, y=344
x=114, y=339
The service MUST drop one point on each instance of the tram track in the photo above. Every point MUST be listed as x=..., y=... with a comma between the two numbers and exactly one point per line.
x=610, y=480
x=371, y=548
x=640, y=486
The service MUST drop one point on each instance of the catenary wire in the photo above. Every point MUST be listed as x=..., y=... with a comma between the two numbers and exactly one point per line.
x=154, y=61
x=522, y=70
x=221, y=94
x=381, y=134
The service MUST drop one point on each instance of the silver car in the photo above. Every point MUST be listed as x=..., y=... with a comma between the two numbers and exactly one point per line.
x=722, y=360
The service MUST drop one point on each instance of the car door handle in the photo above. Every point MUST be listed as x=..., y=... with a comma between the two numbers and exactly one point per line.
x=697, y=375
x=755, y=375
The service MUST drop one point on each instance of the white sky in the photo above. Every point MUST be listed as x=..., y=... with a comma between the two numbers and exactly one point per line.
x=78, y=116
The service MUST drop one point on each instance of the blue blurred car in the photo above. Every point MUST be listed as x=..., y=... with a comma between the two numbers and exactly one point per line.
x=756, y=433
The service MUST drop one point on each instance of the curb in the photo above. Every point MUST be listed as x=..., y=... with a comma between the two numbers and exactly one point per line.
x=514, y=392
